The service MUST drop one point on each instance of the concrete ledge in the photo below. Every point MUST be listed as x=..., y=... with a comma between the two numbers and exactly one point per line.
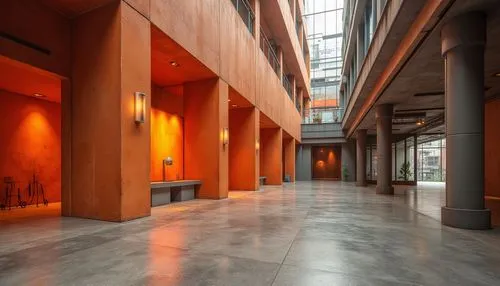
x=163, y=193
x=466, y=219
x=389, y=190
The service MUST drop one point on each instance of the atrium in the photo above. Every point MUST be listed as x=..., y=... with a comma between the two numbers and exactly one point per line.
x=249, y=142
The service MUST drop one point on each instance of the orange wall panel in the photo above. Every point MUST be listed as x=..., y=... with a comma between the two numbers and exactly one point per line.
x=33, y=22
x=142, y=6
x=192, y=24
x=31, y=142
x=205, y=116
x=243, y=156
x=110, y=152
x=167, y=134
x=135, y=138
x=271, y=155
x=326, y=163
x=492, y=148
x=96, y=108
x=237, y=52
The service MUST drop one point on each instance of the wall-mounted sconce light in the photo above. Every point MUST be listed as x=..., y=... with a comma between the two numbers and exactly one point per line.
x=140, y=107
x=257, y=145
x=420, y=122
x=225, y=136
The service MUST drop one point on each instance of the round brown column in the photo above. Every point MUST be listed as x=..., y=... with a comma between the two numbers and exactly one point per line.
x=361, y=157
x=463, y=39
x=384, y=141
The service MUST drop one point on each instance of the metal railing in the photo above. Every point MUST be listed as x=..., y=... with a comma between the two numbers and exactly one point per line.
x=287, y=85
x=269, y=52
x=319, y=115
x=246, y=13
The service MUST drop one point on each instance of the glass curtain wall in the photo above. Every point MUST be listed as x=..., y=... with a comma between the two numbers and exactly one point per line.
x=431, y=161
x=403, y=161
x=324, y=22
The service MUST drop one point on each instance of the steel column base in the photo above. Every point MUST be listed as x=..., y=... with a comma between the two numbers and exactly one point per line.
x=384, y=190
x=466, y=219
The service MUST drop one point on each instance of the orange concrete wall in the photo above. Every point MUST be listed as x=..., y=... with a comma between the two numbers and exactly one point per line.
x=31, y=142
x=110, y=153
x=243, y=155
x=292, y=34
x=492, y=148
x=135, y=139
x=225, y=46
x=167, y=134
x=289, y=151
x=205, y=116
x=33, y=22
x=271, y=155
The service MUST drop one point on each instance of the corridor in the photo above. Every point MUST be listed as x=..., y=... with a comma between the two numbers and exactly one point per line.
x=308, y=233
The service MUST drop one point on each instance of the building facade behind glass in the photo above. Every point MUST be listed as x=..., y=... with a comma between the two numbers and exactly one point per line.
x=324, y=20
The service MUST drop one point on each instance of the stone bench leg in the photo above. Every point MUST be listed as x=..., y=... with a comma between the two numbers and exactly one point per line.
x=160, y=197
x=183, y=193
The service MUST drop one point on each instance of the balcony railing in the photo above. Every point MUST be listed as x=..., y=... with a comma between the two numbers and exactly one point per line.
x=323, y=115
x=269, y=52
x=246, y=13
x=288, y=86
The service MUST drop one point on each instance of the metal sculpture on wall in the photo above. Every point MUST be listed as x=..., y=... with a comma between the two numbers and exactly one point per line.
x=36, y=192
x=10, y=191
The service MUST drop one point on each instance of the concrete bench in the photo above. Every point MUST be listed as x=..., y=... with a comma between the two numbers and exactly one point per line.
x=262, y=180
x=163, y=193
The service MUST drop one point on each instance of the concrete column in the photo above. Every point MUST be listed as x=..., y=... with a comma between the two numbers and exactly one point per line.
x=280, y=59
x=271, y=152
x=384, y=142
x=244, y=138
x=462, y=44
x=110, y=153
x=303, y=163
x=361, y=158
x=206, y=157
x=348, y=155
x=289, y=152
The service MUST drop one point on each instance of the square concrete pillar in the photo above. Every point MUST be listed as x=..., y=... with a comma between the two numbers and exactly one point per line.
x=243, y=149
x=289, y=162
x=271, y=151
x=205, y=119
x=109, y=150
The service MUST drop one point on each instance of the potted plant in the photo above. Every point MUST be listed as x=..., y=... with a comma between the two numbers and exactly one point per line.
x=405, y=171
x=345, y=173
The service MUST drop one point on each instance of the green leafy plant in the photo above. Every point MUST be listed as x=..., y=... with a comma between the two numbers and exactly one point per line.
x=317, y=118
x=405, y=171
x=345, y=172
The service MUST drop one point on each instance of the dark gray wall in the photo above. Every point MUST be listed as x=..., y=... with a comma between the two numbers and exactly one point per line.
x=303, y=168
x=349, y=160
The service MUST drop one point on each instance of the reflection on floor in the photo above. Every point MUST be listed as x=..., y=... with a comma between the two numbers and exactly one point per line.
x=310, y=233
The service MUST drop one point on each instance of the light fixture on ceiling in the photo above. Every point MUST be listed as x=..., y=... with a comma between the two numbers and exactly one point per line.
x=420, y=122
x=174, y=63
x=229, y=100
x=234, y=105
x=39, y=95
x=497, y=74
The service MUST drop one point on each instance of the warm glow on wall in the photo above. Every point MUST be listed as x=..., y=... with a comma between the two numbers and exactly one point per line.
x=140, y=107
x=257, y=144
x=320, y=164
x=225, y=136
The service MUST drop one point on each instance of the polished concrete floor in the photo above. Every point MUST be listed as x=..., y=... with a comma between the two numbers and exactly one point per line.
x=308, y=233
